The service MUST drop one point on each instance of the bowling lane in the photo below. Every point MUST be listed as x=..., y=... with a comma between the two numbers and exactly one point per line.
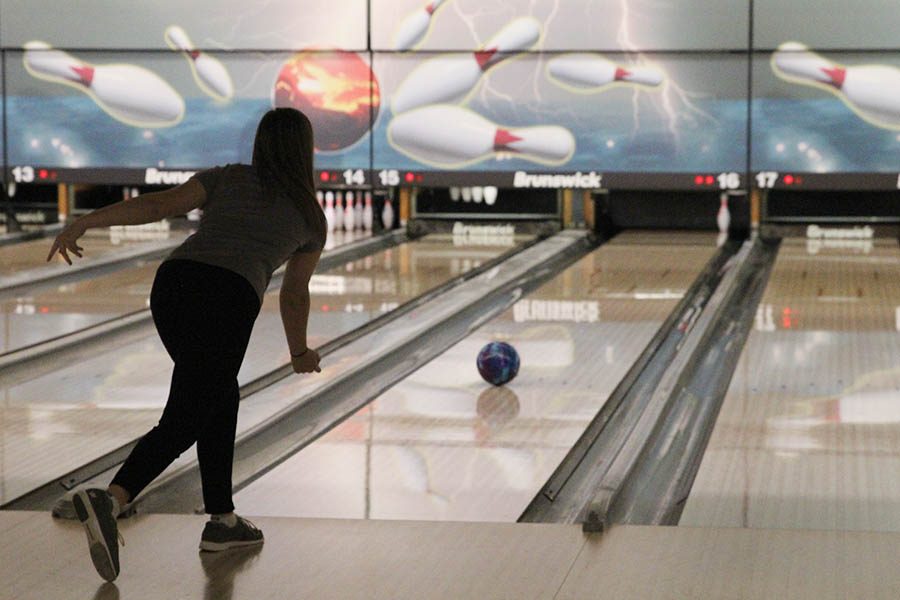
x=97, y=244
x=47, y=313
x=57, y=422
x=444, y=445
x=809, y=434
x=50, y=312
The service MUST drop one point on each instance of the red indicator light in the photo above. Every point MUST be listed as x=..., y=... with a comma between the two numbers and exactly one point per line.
x=420, y=178
x=409, y=177
x=325, y=308
x=323, y=176
x=698, y=179
x=710, y=180
x=787, y=318
x=42, y=173
x=44, y=310
x=789, y=180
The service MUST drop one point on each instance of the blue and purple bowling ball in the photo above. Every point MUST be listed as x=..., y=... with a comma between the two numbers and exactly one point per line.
x=498, y=363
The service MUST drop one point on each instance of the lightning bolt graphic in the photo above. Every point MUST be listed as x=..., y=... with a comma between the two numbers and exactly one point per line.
x=672, y=96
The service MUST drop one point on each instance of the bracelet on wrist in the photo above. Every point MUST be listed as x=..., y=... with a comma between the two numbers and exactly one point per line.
x=299, y=355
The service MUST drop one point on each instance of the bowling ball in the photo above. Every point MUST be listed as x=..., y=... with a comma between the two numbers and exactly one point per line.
x=498, y=363
x=335, y=89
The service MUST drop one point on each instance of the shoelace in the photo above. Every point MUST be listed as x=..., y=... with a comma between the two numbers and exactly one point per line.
x=249, y=525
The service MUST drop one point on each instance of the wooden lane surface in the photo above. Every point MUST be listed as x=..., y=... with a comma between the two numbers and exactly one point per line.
x=809, y=433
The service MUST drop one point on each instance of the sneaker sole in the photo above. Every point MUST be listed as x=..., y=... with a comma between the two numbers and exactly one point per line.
x=100, y=555
x=220, y=546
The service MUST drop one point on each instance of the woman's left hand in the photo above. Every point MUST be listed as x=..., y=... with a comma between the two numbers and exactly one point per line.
x=306, y=362
x=65, y=242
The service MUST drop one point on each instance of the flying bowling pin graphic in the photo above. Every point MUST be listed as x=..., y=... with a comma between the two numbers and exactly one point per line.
x=449, y=136
x=368, y=214
x=592, y=72
x=209, y=72
x=128, y=93
x=452, y=77
x=349, y=213
x=872, y=91
x=329, y=211
x=414, y=28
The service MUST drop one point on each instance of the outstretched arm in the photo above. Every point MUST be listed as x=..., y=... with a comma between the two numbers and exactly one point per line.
x=146, y=208
x=294, y=300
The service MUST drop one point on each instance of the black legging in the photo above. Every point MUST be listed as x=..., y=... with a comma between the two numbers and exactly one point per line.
x=204, y=315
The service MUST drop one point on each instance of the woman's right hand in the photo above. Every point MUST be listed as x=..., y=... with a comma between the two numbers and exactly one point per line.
x=307, y=362
x=67, y=241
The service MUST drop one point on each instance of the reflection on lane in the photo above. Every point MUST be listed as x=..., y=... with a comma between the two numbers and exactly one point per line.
x=36, y=316
x=97, y=243
x=48, y=313
x=809, y=433
x=57, y=422
x=442, y=444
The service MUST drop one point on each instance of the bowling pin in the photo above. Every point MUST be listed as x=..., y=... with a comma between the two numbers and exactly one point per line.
x=477, y=194
x=135, y=192
x=349, y=213
x=358, y=212
x=592, y=72
x=451, y=136
x=128, y=93
x=387, y=214
x=329, y=211
x=723, y=218
x=368, y=216
x=320, y=198
x=454, y=194
x=339, y=210
x=872, y=91
x=466, y=194
x=415, y=26
x=126, y=193
x=209, y=73
x=11, y=189
x=451, y=77
x=490, y=195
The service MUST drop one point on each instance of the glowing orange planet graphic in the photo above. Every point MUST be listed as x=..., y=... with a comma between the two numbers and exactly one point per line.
x=335, y=89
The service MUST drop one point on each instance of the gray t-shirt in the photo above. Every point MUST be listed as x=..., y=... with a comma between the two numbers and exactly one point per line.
x=242, y=229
